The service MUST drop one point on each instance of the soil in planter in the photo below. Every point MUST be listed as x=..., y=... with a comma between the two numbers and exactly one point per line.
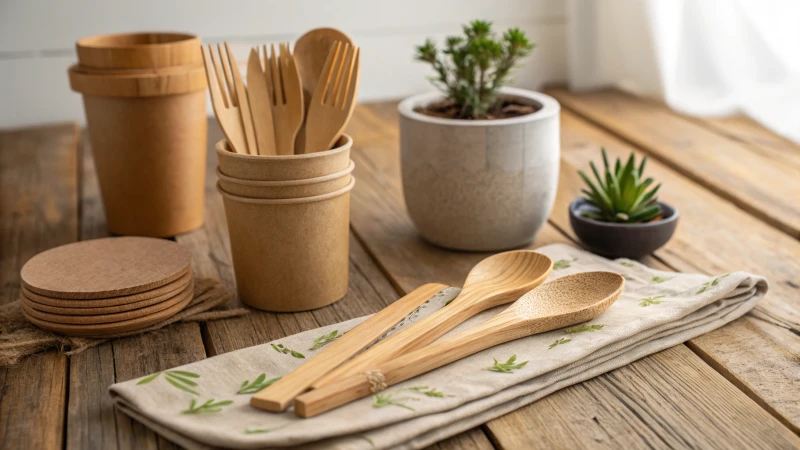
x=507, y=108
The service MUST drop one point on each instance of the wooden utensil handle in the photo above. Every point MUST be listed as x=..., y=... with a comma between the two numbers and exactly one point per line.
x=280, y=395
x=416, y=336
x=502, y=328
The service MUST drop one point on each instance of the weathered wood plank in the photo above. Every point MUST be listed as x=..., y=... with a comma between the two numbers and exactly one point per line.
x=368, y=292
x=714, y=236
x=663, y=401
x=746, y=130
x=92, y=422
x=38, y=211
x=764, y=187
x=380, y=222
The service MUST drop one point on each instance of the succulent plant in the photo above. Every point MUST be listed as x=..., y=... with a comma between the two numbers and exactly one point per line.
x=621, y=195
x=472, y=69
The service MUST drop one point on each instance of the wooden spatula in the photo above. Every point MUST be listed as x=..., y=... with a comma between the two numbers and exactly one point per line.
x=561, y=303
x=281, y=394
x=260, y=104
x=334, y=98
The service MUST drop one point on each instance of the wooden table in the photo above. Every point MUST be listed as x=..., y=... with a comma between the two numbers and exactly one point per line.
x=737, y=187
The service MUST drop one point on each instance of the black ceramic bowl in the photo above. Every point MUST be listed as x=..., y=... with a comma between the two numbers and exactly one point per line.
x=622, y=240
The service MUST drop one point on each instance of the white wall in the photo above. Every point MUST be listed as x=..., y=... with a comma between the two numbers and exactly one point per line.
x=37, y=39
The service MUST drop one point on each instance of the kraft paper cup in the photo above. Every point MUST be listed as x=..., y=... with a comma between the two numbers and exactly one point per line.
x=284, y=167
x=290, y=254
x=148, y=136
x=309, y=187
x=137, y=51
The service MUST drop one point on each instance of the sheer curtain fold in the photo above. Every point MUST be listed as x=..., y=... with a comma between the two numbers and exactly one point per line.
x=702, y=57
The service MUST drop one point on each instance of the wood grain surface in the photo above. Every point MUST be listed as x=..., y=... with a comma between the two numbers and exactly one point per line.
x=735, y=387
x=38, y=211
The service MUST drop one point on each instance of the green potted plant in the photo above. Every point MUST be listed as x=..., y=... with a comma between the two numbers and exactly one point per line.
x=620, y=215
x=479, y=159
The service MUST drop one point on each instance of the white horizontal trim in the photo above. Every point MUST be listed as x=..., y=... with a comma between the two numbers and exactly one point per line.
x=33, y=25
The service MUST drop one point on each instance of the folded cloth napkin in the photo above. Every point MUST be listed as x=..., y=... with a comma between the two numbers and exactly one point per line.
x=206, y=404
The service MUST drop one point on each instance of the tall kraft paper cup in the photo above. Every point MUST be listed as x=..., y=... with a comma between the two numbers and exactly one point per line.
x=148, y=136
x=290, y=254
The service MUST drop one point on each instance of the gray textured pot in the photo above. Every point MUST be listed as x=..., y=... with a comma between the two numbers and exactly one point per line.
x=480, y=185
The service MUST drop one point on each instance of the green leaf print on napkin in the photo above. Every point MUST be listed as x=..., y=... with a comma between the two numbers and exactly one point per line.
x=506, y=367
x=207, y=407
x=325, y=339
x=657, y=280
x=582, y=328
x=251, y=430
x=178, y=378
x=645, y=302
x=280, y=348
x=430, y=392
x=559, y=342
x=390, y=399
x=563, y=263
x=257, y=384
x=709, y=284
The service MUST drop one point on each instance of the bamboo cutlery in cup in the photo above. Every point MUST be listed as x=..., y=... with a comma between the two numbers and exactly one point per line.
x=287, y=211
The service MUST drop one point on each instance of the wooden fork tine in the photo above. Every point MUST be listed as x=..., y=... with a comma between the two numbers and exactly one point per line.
x=292, y=81
x=276, y=76
x=324, y=81
x=336, y=76
x=242, y=102
x=215, y=87
x=352, y=89
x=228, y=76
x=344, y=79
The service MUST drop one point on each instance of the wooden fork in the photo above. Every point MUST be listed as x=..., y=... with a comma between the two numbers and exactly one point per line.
x=229, y=99
x=333, y=100
x=286, y=93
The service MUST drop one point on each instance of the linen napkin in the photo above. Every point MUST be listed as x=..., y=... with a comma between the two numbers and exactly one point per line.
x=206, y=404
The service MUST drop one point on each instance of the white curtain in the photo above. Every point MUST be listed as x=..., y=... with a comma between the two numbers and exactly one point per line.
x=702, y=57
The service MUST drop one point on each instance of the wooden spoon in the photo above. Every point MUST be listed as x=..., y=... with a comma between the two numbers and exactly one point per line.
x=564, y=302
x=310, y=52
x=495, y=281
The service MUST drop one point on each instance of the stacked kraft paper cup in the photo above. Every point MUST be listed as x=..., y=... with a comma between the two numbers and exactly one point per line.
x=288, y=220
x=144, y=99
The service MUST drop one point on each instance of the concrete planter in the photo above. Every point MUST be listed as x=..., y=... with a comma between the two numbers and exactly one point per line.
x=480, y=185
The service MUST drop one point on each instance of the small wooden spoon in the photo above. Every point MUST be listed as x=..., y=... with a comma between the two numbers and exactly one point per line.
x=561, y=303
x=310, y=52
x=495, y=281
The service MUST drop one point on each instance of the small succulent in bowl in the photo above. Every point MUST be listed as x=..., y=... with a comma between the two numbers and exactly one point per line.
x=620, y=215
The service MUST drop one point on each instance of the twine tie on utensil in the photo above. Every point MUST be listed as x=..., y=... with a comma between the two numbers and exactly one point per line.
x=377, y=382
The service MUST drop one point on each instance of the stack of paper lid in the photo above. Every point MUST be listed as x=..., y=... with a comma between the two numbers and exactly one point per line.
x=106, y=286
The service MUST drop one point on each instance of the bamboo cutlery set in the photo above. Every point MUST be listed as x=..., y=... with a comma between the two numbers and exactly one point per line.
x=284, y=169
x=340, y=374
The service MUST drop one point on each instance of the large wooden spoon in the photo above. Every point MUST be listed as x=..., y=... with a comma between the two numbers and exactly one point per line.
x=310, y=53
x=495, y=281
x=561, y=303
